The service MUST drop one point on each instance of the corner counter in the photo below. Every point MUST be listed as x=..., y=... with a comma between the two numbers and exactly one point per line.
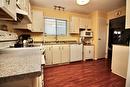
x=19, y=63
x=120, y=57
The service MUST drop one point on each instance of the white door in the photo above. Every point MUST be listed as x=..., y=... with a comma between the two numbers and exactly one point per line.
x=75, y=52
x=56, y=54
x=65, y=53
x=48, y=53
x=102, y=35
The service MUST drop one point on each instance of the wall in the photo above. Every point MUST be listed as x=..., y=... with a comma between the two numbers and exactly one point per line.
x=47, y=12
x=99, y=27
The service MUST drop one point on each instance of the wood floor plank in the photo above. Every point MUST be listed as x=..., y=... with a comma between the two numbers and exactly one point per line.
x=83, y=74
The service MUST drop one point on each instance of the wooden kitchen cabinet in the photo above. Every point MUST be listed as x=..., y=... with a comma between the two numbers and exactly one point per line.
x=88, y=52
x=89, y=24
x=19, y=83
x=38, y=21
x=83, y=23
x=127, y=14
x=65, y=53
x=48, y=54
x=74, y=25
x=56, y=54
x=7, y=10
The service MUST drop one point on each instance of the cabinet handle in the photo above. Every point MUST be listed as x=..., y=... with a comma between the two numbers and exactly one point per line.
x=8, y=2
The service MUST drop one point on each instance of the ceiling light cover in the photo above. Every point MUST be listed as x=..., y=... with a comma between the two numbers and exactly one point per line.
x=82, y=2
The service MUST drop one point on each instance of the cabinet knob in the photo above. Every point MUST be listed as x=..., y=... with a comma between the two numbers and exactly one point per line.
x=8, y=2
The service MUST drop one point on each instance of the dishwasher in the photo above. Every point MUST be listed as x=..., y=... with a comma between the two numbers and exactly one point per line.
x=76, y=51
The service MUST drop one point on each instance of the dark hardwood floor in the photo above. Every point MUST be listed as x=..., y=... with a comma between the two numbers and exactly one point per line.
x=83, y=74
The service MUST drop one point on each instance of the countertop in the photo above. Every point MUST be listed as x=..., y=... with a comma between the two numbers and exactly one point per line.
x=120, y=45
x=20, y=63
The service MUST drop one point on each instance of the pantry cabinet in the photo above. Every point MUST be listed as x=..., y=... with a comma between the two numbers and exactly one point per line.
x=74, y=25
x=48, y=54
x=38, y=21
x=88, y=52
x=127, y=14
x=7, y=10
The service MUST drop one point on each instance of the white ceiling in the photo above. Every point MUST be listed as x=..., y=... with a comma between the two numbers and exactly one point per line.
x=70, y=5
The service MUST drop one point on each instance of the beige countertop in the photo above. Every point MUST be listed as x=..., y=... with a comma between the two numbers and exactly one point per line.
x=19, y=61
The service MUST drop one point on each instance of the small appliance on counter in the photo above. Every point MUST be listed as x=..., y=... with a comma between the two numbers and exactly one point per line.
x=24, y=40
x=86, y=36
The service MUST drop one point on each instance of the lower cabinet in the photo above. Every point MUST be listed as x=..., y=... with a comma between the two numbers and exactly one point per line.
x=65, y=53
x=56, y=54
x=20, y=83
x=48, y=54
x=88, y=52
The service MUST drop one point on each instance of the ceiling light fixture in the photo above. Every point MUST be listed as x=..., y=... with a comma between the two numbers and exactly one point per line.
x=82, y=2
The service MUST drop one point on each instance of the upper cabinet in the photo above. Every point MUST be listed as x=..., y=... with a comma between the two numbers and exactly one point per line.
x=127, y=14
x=15, y=10
x=8, y=10
x=85, y=23
x=38, y=21
x=74, y=25
x=24, y=8
x=77, y=22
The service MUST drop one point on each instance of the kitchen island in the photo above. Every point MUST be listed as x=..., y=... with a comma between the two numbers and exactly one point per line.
x=120, y=57
x=20, y=67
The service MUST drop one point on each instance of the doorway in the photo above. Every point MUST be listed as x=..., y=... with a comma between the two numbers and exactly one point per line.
x=116, y=27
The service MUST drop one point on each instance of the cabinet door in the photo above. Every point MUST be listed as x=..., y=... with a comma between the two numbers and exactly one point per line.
x=38, y=21
x=74, y=25
x=88, y=52
x=65, y=51
x=83, y=23
x=127, y=14
x=9, y=7
x=56, y=54
x=48, y=53
x=89, y=24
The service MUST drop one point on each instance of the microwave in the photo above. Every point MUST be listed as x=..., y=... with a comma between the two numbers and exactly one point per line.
x=86, y=34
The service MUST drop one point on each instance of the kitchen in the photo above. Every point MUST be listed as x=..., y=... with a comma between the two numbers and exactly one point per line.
x=56, y=36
